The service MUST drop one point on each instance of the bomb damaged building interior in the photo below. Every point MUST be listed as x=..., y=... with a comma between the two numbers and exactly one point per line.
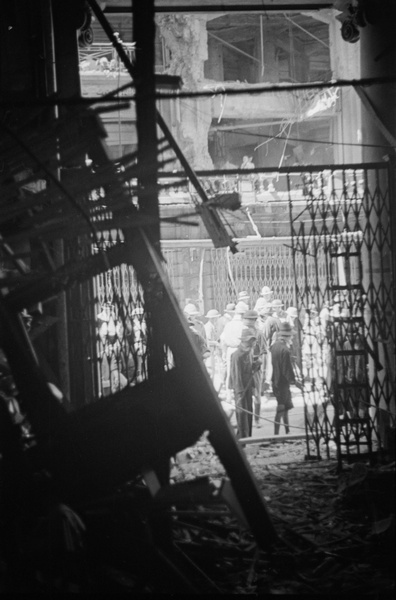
x=197, y=296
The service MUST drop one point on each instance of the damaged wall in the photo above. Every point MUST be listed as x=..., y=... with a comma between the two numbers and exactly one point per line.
x=185, y=37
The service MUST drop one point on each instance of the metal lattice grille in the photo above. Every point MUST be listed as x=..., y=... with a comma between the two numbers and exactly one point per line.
x=251, y=269
x=110, y=320
x=262, y=263
x=348, y=336
x=121, y=330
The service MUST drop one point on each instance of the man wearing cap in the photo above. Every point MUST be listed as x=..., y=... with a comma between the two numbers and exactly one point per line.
x=230, y=338
x=282, y=375
x=241, y=381
x=264, y=299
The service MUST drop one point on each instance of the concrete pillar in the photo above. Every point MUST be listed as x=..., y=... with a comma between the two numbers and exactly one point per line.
x=378, y=59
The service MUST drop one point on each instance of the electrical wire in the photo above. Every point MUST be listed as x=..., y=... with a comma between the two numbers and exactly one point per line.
x=307, y=140
x=197, y=112
x=270, y=138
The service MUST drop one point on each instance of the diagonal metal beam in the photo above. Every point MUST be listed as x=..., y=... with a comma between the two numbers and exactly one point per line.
x=210, y=217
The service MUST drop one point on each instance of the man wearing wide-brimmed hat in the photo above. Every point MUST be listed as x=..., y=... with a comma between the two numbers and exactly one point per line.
x=241, y=381
x=278, y=309
x=264, y=299
x=197, y=329
x=282, y=375
x=243, y=297
x=192, y=313
x=226, y=317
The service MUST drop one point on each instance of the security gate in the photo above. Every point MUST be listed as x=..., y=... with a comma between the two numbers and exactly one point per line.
x=348, y=328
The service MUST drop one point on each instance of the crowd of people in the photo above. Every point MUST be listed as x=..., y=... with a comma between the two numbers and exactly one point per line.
x=255, y=351
x=251, y=352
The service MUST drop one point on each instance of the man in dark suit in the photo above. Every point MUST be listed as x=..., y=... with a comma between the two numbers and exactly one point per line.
x=282, y=375
x=241, y=381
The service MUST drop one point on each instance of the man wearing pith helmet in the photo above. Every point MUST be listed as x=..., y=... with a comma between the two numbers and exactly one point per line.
x=264, y=299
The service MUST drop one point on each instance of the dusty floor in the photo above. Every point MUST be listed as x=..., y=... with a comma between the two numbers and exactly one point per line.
x=336, y=530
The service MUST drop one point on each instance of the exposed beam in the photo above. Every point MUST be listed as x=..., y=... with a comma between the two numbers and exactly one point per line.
x=206, y=6
x=209, y=216
x=307, y=32
x=233, y=47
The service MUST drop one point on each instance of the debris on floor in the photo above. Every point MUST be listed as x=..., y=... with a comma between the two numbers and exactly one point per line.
x=336, y=530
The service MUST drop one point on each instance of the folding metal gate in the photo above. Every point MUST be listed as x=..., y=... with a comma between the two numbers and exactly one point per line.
x=348, y=334
x=221, y=275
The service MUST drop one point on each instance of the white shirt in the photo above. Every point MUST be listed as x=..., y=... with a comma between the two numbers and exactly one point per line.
x=232, y=332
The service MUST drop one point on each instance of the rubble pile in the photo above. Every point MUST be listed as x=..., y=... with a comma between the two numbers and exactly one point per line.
x=336, y=530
